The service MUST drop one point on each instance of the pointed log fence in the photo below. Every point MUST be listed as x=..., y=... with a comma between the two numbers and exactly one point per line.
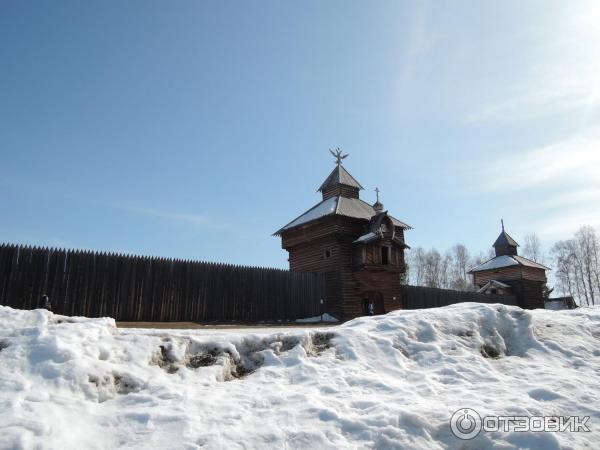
x=417, y=297
x=138, y=288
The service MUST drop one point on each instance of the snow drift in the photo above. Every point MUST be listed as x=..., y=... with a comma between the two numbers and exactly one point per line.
x=383, y=382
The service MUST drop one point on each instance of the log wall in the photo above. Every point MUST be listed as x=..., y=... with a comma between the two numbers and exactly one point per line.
x=417, y=297
x=137, y=288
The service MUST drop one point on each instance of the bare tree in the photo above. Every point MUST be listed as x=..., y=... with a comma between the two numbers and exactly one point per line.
x=587, y=247
x=460, y=267
x=577, y=266
x=433, y=268
x=417, y=266
x=564, y=270
x=532, y=248
x=430, y=268
x=446, y=269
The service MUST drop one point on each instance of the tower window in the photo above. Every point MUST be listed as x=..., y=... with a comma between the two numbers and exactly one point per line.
x=328, y=253
x=385, y=255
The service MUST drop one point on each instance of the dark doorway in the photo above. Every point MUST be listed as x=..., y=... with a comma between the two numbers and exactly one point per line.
x=376, y=300
x=365, y=306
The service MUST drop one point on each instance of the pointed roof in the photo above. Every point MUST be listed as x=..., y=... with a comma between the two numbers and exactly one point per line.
x=339, y=175
x=504, y=240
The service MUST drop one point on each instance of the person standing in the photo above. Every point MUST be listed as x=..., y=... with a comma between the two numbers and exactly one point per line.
x=46, y=302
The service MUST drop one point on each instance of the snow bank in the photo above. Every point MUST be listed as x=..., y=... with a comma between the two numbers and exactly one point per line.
x=383, y=382
x=324, y=318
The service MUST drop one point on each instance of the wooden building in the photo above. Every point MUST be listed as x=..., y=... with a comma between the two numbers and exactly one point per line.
x=509, y=273
x=359, y=246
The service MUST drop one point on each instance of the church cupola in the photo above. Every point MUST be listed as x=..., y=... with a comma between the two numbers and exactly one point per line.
x=340, y=182
x=377, y=206
x=505, y=245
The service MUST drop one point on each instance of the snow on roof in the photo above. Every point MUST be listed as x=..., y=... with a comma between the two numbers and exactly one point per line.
x=529, y=263
x=496, y=263
x=341, y=206
x=324, y=208
x=367, y=237
x=493, y=283
x=507, y=261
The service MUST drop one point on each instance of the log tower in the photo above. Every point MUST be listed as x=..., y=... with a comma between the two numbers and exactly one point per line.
x=509, y=273
x=359, y=246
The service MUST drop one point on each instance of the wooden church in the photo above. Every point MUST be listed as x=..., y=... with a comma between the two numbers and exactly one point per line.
x=509, y=273
x=359, y=246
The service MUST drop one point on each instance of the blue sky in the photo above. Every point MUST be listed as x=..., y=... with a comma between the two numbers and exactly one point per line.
x=195, y=129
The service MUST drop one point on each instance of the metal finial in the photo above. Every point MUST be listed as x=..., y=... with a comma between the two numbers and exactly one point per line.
x=502, y=222
x=338, y=155
x=377, y=193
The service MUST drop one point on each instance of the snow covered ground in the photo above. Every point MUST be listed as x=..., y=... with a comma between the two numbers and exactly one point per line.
x=382, y=382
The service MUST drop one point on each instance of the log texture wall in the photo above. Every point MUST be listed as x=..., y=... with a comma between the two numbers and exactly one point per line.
x=135, y=288
x=326, y=246
x=417, y=297
x=509, y=273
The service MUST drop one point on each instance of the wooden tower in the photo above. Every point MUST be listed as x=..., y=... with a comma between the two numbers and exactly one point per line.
x=359, y=246
x=509, y=273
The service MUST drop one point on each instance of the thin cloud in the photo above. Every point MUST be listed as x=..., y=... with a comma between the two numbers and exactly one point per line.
x=194, y=219
x=563, y=223
x=419, y=42
x=581, y=197
x=567, y=167
x=555, y=188
x=545, y=101
x=564, y=74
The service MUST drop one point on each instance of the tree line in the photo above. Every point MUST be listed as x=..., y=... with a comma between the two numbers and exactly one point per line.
x=577, y=266
x=575, y=263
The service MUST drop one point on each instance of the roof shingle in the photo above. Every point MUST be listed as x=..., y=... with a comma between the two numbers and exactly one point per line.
x=504, y=240
x=339, y=175
x=507, y=261
x=341, y=206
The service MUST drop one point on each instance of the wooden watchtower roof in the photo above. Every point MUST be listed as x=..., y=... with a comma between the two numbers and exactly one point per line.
x=506, y=256
x=340, y=182
x=507, y=270
x=340, y=198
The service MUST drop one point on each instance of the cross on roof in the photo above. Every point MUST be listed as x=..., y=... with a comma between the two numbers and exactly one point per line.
x=377, y=193
x=338, y=155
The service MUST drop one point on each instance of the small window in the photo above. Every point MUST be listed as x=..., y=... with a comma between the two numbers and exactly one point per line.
x=385, y=256
x=328, y=253
x=494, y=291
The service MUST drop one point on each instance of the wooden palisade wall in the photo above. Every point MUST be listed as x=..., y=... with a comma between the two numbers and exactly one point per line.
x=136, y=288
x=417, y=297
